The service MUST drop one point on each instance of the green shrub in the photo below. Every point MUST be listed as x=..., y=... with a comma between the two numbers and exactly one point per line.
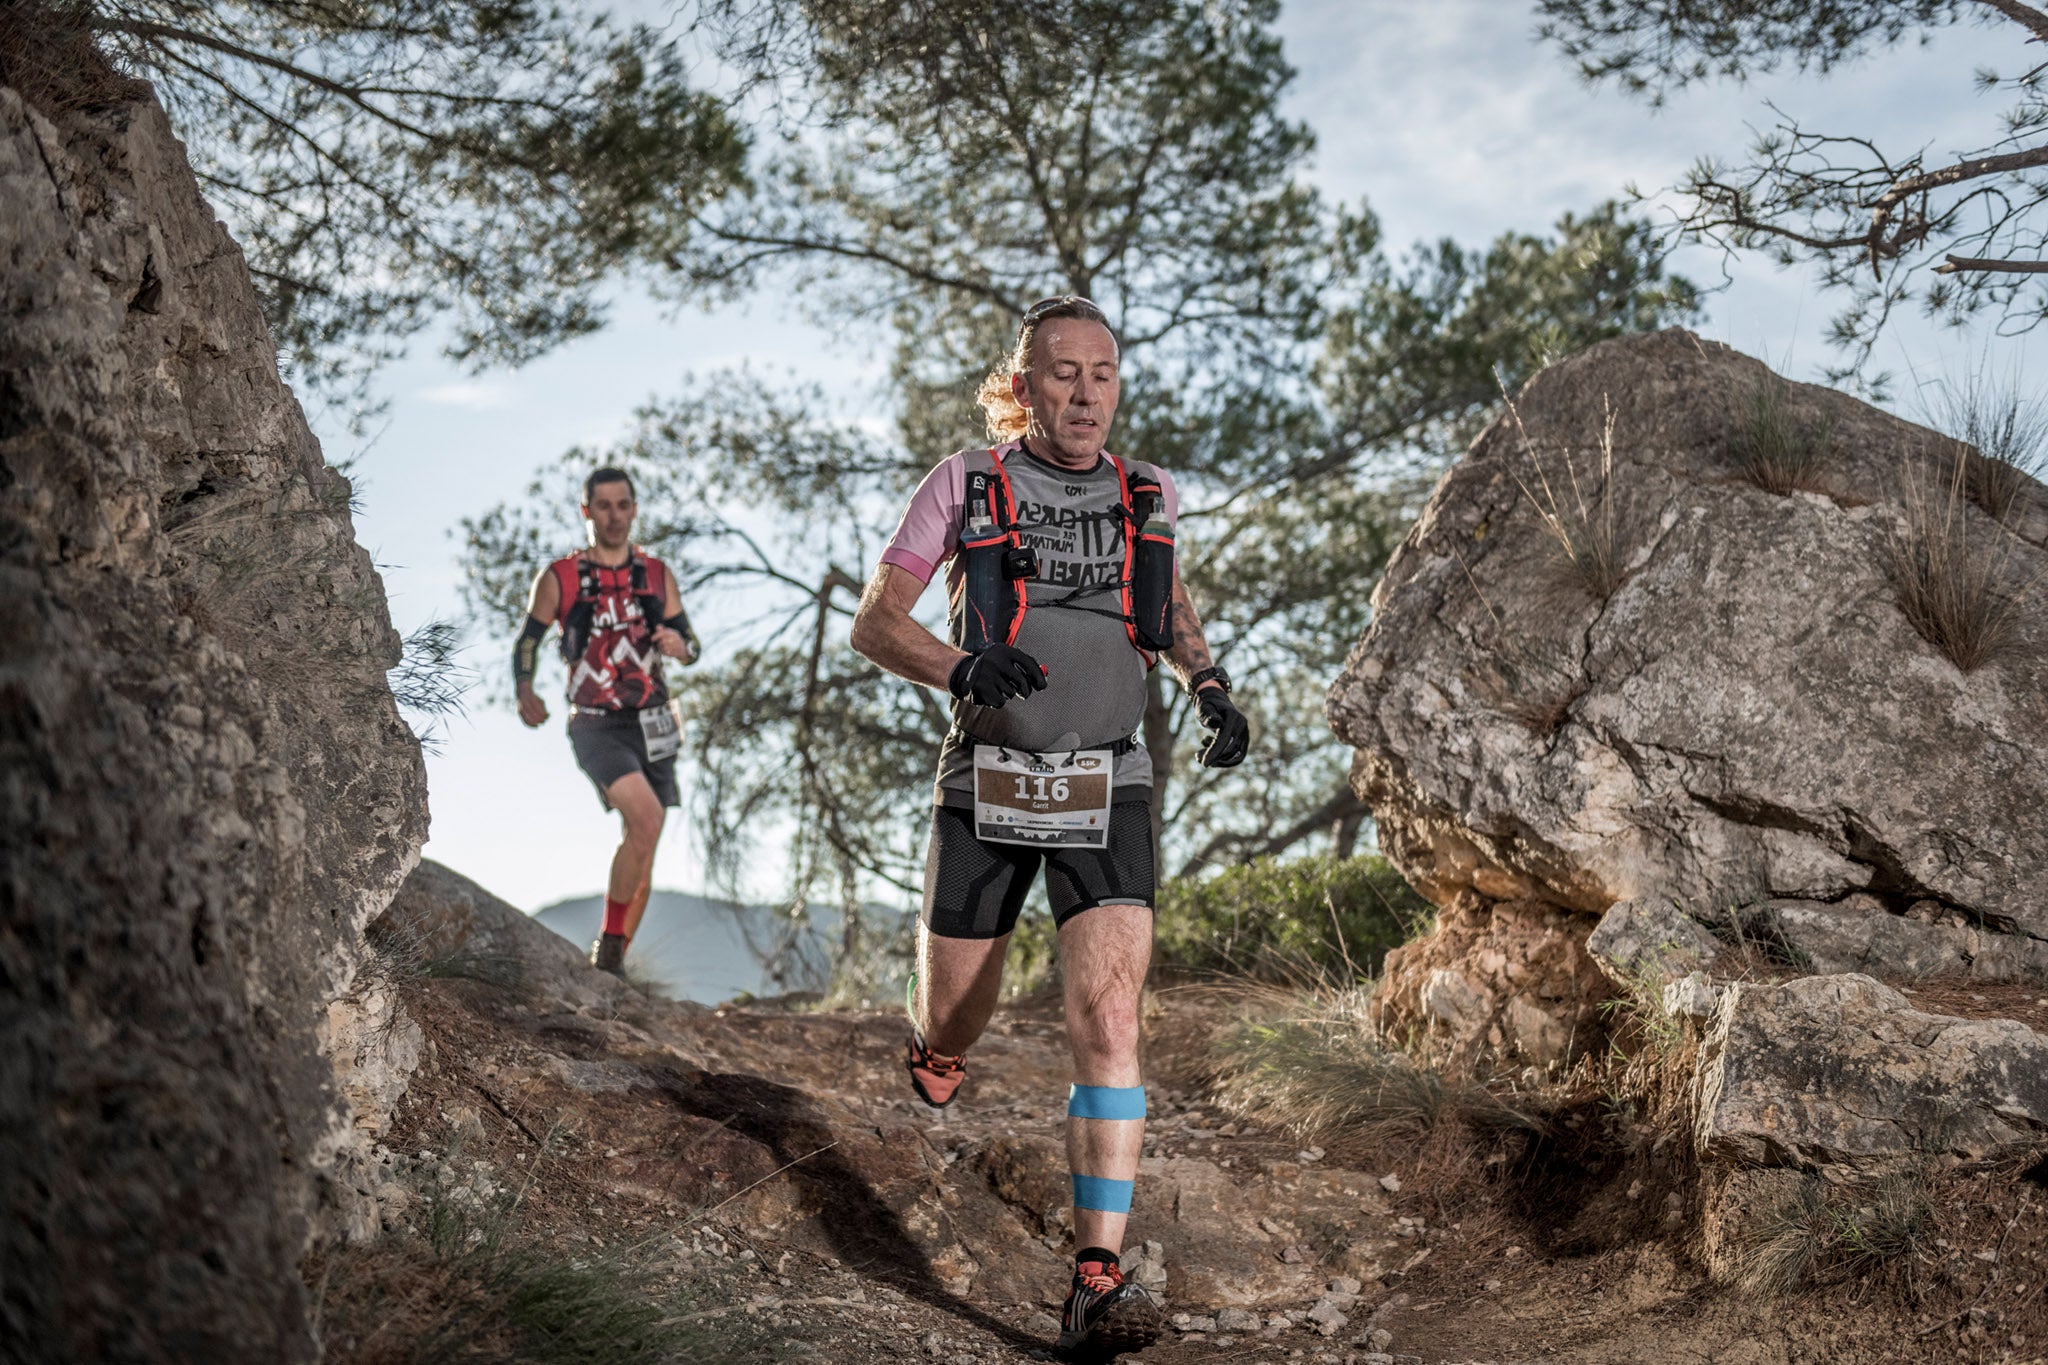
x=1287, y=918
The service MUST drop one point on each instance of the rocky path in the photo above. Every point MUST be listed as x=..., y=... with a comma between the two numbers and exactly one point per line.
x=780, y=1154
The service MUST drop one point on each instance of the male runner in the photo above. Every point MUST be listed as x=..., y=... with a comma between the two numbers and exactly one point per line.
x=620, y=611
x=1049, y=688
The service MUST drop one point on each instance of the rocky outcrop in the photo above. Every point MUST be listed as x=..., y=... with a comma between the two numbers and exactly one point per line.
x=1650, y=938
x=1857, y=935
x=1733, y=726
x=208, y=790
x=1499, y=981
x=1746, y=715
x=442, y=922
x=1841, y=1074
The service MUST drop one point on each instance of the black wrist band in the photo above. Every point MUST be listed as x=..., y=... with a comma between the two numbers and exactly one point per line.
x=956, y=681
x=526, y=651
x=1214, y=674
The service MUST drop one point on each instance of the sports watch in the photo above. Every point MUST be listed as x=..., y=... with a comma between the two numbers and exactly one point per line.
x=1214, y=674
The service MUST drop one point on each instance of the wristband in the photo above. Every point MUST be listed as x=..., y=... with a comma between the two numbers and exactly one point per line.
x=526, y=651
x=1213, y=673
x=680, y=624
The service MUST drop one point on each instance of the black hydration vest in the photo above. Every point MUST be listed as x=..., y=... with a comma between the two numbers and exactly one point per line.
x=996, y=563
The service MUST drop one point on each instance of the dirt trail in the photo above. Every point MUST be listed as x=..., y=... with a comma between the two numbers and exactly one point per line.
x=781, y=1153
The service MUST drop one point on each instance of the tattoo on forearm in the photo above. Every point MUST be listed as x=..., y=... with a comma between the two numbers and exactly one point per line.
x=1190, y=652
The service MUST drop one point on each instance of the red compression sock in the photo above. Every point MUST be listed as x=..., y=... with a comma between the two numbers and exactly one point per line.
x=615, y=913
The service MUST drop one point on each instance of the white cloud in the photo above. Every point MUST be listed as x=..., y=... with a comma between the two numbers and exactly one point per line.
x=477, y=395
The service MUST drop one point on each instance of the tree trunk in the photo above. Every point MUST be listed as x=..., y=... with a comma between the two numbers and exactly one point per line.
x=1345, y=832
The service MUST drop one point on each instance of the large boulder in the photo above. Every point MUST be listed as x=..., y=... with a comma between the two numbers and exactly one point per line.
x=206, y=788
x=1748, y=714
x=1841, y=1074
x=1740, y=712
x=442, y=923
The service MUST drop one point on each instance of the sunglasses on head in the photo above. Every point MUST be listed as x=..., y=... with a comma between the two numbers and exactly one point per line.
x=1038, y=310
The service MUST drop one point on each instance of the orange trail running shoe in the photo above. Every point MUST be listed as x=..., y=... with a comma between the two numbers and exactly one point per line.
x=935, y=1077
x=1107, y=1314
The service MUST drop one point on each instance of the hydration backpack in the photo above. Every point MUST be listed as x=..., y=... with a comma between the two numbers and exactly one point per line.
x=996, y=562
x=582, y=584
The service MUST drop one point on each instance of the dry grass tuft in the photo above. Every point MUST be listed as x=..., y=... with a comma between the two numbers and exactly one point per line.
x=48, y=56
x=642, y=978
x=2007, y=436
x=471, y=1281
x=1953, y=576
x=1775, y=450
x=1581, y=528
x=1313, y=1066
x=431, y=683
x=1836, y=1231
x=401, y=954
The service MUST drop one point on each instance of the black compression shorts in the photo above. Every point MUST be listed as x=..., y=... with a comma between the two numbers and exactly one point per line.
x=975, y=889
x=609, y=745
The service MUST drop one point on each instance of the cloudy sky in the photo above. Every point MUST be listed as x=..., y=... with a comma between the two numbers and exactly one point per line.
x=1446, y=115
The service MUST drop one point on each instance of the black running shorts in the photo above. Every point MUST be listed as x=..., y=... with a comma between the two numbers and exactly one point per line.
x=975, y=889
x=609, y=745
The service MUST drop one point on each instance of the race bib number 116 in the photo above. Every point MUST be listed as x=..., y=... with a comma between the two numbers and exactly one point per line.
x=1042, y=799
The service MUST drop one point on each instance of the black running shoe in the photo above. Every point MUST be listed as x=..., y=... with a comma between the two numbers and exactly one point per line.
x=608, y=954
x=1107, y=1314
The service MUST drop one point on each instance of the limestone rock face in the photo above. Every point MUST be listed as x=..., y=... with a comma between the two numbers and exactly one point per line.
x=1507, y=981
x=1856, y=935
x=1650, y=937
x=1747, y=716
x=442, y=921
x=1841, y=1073
x=207, y=788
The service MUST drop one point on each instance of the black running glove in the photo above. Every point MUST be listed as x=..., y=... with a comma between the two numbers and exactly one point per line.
x=1233, y=733
x=995, y=675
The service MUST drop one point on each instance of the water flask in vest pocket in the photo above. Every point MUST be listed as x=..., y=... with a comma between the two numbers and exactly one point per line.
x=1151, y=567
x=989, y=611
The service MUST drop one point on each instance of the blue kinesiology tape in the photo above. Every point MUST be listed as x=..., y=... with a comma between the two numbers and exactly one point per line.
x=1106, y=1102
x=1103, y=1196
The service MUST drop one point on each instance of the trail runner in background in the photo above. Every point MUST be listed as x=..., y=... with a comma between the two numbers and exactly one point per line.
x=1062, y=593
x=620, y=611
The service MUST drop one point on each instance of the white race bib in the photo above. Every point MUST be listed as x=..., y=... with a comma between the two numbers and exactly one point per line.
x=662, y=728
x=1043, y=799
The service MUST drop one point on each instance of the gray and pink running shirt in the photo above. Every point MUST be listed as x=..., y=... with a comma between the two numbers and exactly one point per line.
x=1095, y=690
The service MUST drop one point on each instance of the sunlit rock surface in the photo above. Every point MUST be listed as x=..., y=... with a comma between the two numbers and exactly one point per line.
x=1746, y=717
x=1842, y=1073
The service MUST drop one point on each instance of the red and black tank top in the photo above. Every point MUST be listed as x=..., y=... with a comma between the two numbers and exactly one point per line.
x=608, y=617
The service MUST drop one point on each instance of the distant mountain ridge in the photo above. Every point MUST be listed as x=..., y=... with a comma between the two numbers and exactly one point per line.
x=710, y=950
x=694, y=945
